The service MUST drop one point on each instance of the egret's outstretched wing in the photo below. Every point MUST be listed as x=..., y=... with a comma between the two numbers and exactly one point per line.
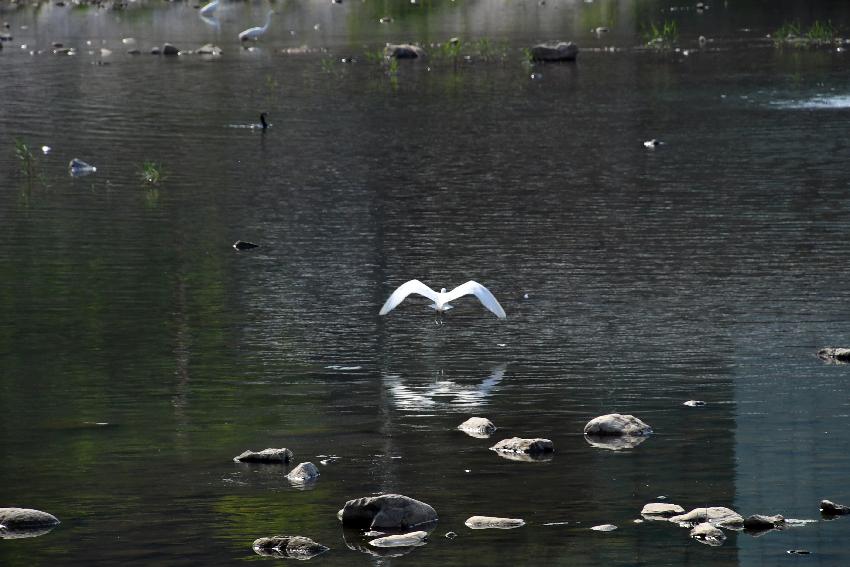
x=482, y=293
x=405, y=289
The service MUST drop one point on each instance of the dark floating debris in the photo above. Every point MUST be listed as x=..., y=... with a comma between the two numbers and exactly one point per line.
x=552, y=52
x=243, y=245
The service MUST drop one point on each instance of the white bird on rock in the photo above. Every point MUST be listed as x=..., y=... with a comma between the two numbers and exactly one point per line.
x=441, y=300
x=255, y=33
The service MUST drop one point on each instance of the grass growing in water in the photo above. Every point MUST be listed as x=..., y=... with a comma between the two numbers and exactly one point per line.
x=664, y=35
x=26, y=159
x=818, y=33
x=151, y=173
x=821, y=32
x=788, y=30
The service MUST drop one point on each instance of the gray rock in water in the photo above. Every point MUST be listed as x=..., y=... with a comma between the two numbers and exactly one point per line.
x=524, y=446
x=79, y=168
x=404, y=51
x=155, y=51
x=758, y=522
x=558, y=51
x=13, y=519
x=134, y=51
x=168, y=49
x=209, y=49
x=834, y=354
x=401, y=540
x=303, y=473
x=393, y=511
x=661, y=510
x=715, y=515
x=265, y=456
x=829, y=508
x=290, y=547
x=480, y=427
x=617, y=424
x=708, y=534
x=491, y=522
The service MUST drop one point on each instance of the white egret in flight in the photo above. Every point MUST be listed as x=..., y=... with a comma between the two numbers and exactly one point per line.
x=208, y=9
x=255, y=33
x=441, y=300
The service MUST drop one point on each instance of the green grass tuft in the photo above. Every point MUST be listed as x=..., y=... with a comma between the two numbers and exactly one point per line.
x=151, y=173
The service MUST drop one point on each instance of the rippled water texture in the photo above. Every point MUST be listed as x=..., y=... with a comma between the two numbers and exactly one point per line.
x=139, y=352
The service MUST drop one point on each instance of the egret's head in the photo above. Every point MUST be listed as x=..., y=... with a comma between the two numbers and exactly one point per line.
x=442, y=290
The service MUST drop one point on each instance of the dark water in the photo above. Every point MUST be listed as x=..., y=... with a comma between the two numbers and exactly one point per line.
x=139, y=352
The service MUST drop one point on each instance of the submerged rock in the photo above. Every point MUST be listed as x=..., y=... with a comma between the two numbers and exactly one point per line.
x=558, y=51
x=708, y=534
x=480, y=427
x=758, y=522
x=491, y=522
x=617, y=424
x=290, y=547
x=829, y=508
x=401, y=540
x=168, y=49
x=522, y=446
x=209, y=49
x=265, y=456
x=661, y=510
x=715, y=515
x=394, y=511
x=303, y=473
x=834, y=354
x=404, y=51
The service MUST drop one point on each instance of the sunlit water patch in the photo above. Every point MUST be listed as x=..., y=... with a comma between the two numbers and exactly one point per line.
x=815, y=103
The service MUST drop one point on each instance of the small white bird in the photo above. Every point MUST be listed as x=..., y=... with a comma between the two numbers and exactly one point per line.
x=208, y=9
x=653, y=143
x=255, y=33
x=441, y=300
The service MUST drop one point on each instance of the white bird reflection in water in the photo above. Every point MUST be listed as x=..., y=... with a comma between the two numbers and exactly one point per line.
x=443, y=393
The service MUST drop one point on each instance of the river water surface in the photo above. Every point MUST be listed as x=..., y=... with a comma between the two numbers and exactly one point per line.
x=139, y=352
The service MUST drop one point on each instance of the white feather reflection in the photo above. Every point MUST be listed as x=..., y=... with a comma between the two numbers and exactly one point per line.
x=443, y=393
